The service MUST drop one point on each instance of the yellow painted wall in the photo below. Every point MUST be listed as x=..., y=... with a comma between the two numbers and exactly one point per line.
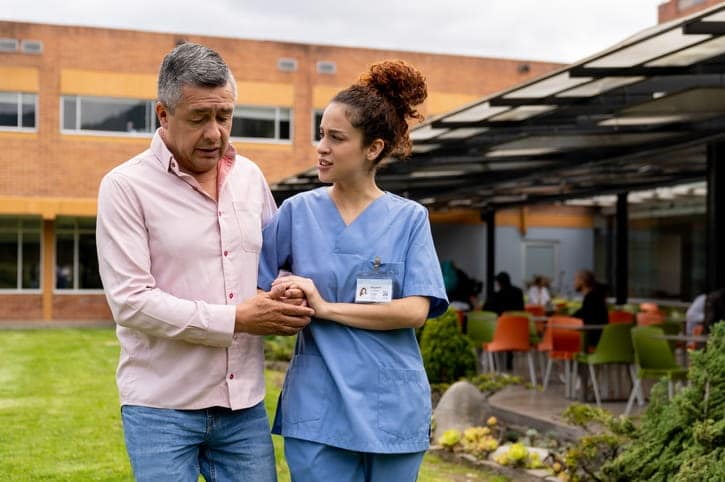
x=47, y=208
x=22, y=79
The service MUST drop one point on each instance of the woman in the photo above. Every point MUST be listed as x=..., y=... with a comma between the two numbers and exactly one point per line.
x=539, y=292
x=355, y=405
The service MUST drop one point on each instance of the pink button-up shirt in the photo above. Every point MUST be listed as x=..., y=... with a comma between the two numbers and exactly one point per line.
x=174, y=263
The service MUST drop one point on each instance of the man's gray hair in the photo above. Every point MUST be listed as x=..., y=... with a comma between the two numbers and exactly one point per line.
x=191, y=64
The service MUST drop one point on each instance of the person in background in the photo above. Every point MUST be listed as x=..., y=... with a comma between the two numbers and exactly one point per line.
x=594, y=304
x=355, y=405
x=179, y=231
x=714, y=309
x=539, y=292
x=507, y=297
x=696, y=313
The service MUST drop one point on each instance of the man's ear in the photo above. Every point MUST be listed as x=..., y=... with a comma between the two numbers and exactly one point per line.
x=374, y=149
x=162, y=112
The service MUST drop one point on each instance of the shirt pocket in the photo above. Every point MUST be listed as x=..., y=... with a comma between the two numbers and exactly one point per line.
x=249, y=218
x=304, y=397
x=404, y=405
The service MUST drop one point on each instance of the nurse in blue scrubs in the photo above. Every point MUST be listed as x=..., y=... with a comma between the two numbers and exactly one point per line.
x=356, y=404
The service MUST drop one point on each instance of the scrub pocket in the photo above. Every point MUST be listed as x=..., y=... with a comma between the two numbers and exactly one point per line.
x=249, y=217
x=304, y=397
x=404, y=405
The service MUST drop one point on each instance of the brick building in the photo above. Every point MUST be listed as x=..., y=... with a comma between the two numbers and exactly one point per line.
x=672, y=9
x=77, y=101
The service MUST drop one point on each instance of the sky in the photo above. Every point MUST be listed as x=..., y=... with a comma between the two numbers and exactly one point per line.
x=553, y=30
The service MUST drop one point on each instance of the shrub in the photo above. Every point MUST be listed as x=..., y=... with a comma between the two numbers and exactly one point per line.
x=279, y=348
x=448, y=354
x=682, y=440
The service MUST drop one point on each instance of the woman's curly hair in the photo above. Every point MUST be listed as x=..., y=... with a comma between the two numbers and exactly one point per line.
x=382, y=101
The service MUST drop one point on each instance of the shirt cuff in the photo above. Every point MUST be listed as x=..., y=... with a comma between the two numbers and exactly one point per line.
x=221, y=325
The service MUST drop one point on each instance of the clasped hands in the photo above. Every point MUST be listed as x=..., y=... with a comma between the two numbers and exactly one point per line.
x=284, y=310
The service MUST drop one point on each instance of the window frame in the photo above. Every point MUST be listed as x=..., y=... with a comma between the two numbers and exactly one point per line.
x=19, y=112
x=19, y=277
x=315, y=126
x=149, y=117
x=266, y=140
x=76, y=231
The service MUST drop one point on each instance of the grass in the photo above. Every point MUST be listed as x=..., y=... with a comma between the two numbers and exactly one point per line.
x=60, y=419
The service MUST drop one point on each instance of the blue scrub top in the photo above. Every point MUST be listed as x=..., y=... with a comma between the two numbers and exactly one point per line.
x=356, y=389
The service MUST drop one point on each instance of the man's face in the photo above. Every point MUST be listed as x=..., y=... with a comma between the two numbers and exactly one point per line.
x=197, y=133
x=578, y=283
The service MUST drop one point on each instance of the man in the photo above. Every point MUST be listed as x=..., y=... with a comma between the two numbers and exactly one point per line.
x=507, y=297
x=178, y=236
x=594, y=305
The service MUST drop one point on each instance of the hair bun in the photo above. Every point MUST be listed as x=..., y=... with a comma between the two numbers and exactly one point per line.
x=400, y=83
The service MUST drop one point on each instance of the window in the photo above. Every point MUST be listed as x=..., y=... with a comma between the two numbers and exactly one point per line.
x=685, y=4
x=287, y=65
x=326, y=67
x=540, y=258
x=76, y=262
x=255, y=123
x=316, y=121
x=20, y=253
x=105, y=115
x=18, y=111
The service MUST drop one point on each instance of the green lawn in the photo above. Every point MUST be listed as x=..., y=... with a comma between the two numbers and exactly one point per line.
x=59, y=414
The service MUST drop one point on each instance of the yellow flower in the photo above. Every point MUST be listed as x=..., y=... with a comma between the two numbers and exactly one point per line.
x=491, y=421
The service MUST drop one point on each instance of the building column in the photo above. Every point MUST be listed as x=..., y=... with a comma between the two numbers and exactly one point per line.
x=621, y=269
x=715, y=264
x=489, y=217
x=48, y=267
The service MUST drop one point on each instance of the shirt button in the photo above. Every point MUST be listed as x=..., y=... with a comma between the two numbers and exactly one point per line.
x=231, y=295
x=219, y=213
x=226, y=253
x=231, y=376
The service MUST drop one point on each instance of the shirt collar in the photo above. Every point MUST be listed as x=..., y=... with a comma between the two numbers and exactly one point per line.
x=168, y=163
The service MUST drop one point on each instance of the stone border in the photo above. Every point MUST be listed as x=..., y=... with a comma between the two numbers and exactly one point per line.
x=518, y=475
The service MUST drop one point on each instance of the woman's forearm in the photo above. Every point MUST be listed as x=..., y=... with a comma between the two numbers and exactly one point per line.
x=410, y=312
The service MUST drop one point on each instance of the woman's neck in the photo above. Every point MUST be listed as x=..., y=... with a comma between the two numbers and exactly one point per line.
x=352, y=198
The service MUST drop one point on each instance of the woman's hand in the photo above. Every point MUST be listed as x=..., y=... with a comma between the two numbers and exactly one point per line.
x=314, y=299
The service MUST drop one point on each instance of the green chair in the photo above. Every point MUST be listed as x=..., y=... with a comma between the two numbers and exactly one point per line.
x=654, y=360
x=615, y=346
x=480, y=327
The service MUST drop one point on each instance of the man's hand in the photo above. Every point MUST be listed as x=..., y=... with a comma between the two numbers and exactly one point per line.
x=267, y=314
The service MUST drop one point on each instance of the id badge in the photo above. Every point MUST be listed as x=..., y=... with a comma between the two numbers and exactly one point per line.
x=374, y=286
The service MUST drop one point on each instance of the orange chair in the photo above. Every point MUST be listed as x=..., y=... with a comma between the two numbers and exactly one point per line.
x=544, y=346
x=511, y=334
x=648, y=307
x=536, y=310
x=565, y=344
x=697, y=330
x=619, y=316
x=649, y=318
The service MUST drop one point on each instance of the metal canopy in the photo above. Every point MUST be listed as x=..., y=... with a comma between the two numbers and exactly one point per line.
x=633, y=117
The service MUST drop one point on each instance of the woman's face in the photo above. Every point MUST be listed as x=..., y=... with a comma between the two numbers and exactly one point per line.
x=341, y=155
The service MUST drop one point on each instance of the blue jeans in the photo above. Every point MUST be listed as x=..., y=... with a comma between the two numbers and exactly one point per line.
x=219, y=443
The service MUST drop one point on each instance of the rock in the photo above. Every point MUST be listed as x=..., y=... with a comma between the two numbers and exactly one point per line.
x=461, y=406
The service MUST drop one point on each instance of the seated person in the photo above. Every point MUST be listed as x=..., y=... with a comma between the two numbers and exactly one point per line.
x=539, y=292
x=594, y=305
x=507, y=297
x=696, y=313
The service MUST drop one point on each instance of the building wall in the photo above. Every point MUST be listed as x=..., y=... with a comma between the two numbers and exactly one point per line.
x=571, y=229
x=673, y=9
x=47, y=173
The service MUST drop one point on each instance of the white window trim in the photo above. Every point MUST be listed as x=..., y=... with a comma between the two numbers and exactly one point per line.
x=89, y=132
x=19, y=280
x=76, y=231
x=269, y=140
x=18, y=127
